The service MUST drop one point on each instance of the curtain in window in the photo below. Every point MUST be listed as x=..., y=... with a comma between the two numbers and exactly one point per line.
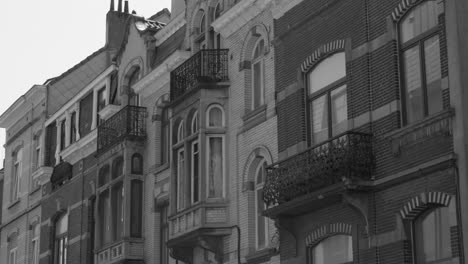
x=433, y=74
x=320, y=119
x=339, y=110
x=414, y=92
x=215, y=169
x=117, y=212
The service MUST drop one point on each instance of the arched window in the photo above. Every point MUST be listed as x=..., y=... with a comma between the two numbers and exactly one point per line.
x=117, y=167
x=432, y=232
x=137, y=164
x=215, y=116
x=12, y=248
x=34, y=247
x=180, y=131
x=133, y=98
x=194, y=123
x=420, y=55
x=333, y=250
x=202, y=23
x=219, y=8
x=328, y=106
x=103, y=176
x=258, y=78
x=261, y=223
x=61, y=239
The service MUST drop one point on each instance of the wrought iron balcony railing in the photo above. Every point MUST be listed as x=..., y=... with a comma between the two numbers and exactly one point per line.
x=204, y=66
x=128, y=123
x=345, y=157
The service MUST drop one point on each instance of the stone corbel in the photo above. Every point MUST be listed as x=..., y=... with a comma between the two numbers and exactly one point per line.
x=287, y=224
x=360, y=203
x=213, y=244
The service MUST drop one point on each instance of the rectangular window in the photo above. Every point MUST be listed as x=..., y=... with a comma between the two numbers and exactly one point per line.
x=257, y=92
x=339, y=110
x=61, y=250
x=12, y=256
x=320, y=119
x=195, y=171
x=164, y=136
x=180, y=179
x=136, y=208
x=86, y=115
x=117, y=212
x=215, y=167
x=101, y=103
x=73, y=128
x=164, y=235
x=62, y=135
x=103, y=214
x=261, y=227
x=35, y=251
x=50, y=145
x=16, y=176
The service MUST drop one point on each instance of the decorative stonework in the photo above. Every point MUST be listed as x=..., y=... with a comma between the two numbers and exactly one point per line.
x=422, y=202
x=321, y=52
x=328, y=230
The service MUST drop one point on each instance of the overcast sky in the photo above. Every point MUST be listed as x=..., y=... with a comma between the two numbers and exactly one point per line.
x=42, y=39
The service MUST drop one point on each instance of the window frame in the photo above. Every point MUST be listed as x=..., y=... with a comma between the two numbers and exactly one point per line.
x=192, y=172
x=223, y=153
x=14, y=252
x=311, y=249
x=259, y=186
x=324, y=91
x=208, y=111
x=261, y=61
x=35, y=243
x=416, y=41
x=62, y=237
x=165, y=136
x=16, y=175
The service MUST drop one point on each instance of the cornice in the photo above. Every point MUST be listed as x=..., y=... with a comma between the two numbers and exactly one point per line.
x=239, y=15
x=168, y=30
x=160, y=75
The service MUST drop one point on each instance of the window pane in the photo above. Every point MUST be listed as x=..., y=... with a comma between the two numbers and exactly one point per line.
x=103, y=213
x=215, y=117
x=259, y=49
x=420, y=19
x=180, y=179
x=117, y=212
x=433, y=74
x=328, y=71
x=414, y=96
x=261, y=241
x=320, y=119
x=433, y=236
x=339, y=110
x=136, y=208
x=61, y=226
x=334, y=250
x=257, y=85
x=195, y=172
x=215, y=169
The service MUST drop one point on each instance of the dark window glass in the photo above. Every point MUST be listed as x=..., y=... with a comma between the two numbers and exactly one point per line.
x=137, y=164
x=164, y=136
x=86, y=115
x=117, y=167
x=73, y=128
x=103, y=175
x=117, y=212
x=136, y=208
x=62, y=135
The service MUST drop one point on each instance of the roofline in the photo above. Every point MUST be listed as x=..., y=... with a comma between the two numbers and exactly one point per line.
x=17, y=109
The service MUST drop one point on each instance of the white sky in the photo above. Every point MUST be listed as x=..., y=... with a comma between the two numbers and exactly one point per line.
x=42, y=39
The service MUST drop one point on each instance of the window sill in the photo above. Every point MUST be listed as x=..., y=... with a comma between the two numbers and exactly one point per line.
x=14, y=203
x=261, y=255
x=33, y=191
x=254, y=117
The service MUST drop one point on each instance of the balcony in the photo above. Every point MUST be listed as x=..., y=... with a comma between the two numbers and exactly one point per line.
x=129, y=123
x=346, y=158
x=206, y=66
x=120, y=251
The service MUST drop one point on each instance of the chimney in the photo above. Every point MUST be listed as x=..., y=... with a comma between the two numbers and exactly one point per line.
x=115, y=27
x=111, y=5
x=126, y=7
x=177, y=7
x=120, y=6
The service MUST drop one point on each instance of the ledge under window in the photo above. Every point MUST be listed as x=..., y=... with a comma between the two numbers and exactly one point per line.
x=15, y=202
x=254, y=117
x=261, y=256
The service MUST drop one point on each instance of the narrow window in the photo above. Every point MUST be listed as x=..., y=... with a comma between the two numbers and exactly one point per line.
x=420, y=52
x=180, y=132
x=101, y=103
x=12, y=249
x=215, y=167
x=104, y=219
x=136, y=209
x=260, y=220
x=180, y=179
x=258, y=75
x=73, y=128
x=34, y=250
x=165, y=136
x=137, y=164
x=328, y=106
x=16, y=175
x=86, y=114
x=61, y=240
x=62, y=135
x=117, y=211
x=333, y=250
x=103, y=176
x=37, y=151
x=194, y=123
x=195, y=172
x=164, y=235
x=202, y=23
x=133, y=99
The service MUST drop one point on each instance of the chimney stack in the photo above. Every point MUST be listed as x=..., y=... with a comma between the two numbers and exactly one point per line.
x=111, y=5
x=126, y=7
x=119, y=9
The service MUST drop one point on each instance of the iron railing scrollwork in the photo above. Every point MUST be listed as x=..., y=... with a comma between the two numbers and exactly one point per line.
x=346, y=157
x=204, y=66
x=129, y=122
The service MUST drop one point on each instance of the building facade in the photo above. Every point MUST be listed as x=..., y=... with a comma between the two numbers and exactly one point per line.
x=368, y=125
x=21, y=195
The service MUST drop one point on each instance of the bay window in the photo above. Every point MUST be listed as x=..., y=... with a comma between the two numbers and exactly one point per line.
x=328, y=107
x=421, y=62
